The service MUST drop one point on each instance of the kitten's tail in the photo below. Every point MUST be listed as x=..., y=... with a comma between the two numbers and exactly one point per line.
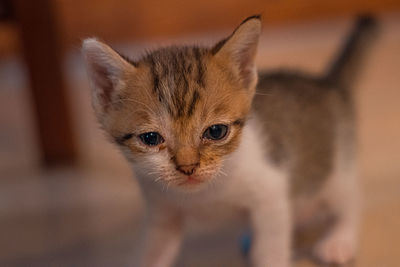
x=347, y=63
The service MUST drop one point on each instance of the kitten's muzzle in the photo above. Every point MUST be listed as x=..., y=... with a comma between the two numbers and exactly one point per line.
x=187, y=169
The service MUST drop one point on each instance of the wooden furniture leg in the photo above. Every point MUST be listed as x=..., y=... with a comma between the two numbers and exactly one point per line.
x=42, y=53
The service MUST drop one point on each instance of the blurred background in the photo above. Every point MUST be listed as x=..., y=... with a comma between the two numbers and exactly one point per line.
x=68, y=198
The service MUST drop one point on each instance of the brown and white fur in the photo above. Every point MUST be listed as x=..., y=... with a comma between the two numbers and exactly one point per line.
x=288, y=153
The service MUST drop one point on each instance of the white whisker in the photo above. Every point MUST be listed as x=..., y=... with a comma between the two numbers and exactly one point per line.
x=264, y=94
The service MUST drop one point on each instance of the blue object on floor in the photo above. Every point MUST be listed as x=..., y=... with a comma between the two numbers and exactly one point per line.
x=245, y=243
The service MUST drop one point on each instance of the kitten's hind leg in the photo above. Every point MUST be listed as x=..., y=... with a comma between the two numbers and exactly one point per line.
x=342, y=195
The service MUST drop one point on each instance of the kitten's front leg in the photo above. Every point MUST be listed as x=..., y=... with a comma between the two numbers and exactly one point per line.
x=271, y=225
x=163, y=238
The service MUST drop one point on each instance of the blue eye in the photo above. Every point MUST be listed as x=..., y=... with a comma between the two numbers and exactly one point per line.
x=151, y=138
x=216, y=132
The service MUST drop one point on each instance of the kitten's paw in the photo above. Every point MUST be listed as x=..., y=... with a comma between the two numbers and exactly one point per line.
x=335, y=249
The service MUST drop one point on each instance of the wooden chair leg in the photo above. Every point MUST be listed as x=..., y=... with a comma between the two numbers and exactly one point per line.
x=42, y=53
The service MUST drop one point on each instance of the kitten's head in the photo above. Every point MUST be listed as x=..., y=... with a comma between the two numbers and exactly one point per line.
x=178, y=111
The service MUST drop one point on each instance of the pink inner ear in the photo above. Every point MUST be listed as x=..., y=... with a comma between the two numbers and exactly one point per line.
x=246, y=64
x=104, y=85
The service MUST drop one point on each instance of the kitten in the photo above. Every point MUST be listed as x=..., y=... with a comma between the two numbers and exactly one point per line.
x=203, y=143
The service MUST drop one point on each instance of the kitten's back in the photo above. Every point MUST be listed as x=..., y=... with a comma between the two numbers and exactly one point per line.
x=305, y=115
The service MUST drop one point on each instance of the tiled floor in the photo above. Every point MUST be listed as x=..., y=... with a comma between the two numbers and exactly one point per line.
x=91, y=216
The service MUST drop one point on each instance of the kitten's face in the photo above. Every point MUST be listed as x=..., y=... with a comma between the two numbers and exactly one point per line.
x=179, y=111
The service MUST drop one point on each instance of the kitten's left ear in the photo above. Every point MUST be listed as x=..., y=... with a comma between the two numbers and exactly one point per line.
x=240, y=48
x=107, y=71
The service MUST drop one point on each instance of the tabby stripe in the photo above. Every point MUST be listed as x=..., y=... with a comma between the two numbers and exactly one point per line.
x=156, y=78
x=200, y=68
x=193, y=102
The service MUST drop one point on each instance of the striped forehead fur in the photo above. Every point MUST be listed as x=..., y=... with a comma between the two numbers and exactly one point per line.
x=178, y=76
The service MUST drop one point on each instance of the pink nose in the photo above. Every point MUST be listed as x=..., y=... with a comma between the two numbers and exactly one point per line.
x=187, y=169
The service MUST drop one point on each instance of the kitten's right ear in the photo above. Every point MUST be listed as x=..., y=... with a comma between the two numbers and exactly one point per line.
x=106, y=70
x=240, y=48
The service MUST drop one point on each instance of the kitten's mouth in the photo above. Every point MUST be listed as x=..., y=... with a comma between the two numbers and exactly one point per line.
x=191, y=180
